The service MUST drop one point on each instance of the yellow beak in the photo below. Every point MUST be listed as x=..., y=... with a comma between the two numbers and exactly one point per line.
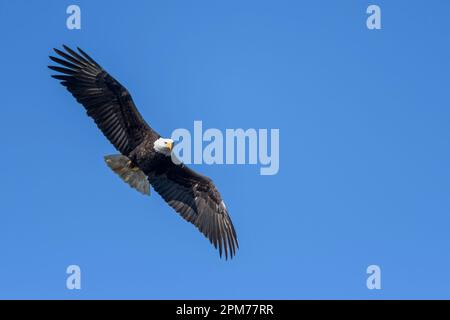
x=170, y=145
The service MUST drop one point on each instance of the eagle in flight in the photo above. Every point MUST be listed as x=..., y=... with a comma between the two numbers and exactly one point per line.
x=145, y=157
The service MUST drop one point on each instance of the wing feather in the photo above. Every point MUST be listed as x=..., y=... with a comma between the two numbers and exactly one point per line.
x=104, y=98
x=197, y=200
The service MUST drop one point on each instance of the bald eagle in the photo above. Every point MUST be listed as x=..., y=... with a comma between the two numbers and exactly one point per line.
x=145, y=157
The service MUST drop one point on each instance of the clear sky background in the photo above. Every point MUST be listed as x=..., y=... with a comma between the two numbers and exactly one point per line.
x=364, y=174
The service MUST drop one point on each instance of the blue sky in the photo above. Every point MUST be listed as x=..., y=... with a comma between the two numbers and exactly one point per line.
x=364, y=149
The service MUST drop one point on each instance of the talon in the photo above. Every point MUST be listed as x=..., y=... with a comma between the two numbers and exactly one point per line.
x=132, y=167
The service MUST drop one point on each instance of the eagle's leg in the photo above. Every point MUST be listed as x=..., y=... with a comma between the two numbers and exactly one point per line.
x=132, y=167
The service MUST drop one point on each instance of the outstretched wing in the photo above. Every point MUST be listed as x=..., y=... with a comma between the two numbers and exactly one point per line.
x=105, y=99
x=197, y=200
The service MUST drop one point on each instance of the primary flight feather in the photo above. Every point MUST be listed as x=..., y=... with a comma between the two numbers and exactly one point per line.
x=145, y=158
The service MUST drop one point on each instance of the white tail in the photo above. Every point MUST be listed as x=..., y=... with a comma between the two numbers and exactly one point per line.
x=121, y=165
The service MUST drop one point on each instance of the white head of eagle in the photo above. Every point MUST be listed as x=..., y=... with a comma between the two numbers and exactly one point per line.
x=163, y=146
